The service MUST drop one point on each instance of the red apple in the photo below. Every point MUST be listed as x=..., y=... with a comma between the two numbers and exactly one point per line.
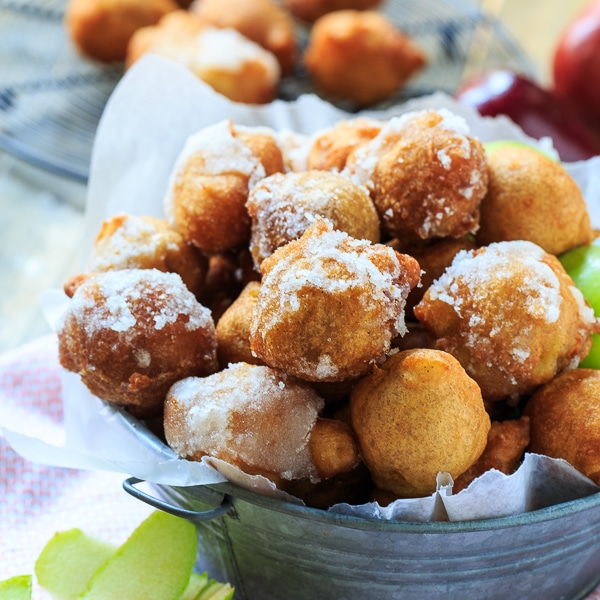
x=538, y=111
x=576, y=63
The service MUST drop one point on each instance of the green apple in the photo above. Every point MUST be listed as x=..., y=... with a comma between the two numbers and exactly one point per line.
x=68, y=561
x=16, y=588
x=155, y=563
x=491, y=147
x=583, y=265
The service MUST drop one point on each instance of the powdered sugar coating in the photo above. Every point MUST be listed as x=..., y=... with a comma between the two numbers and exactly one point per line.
x=221, y=152
x=254, y=417
x=282, y=206
x=510, y=314
x=227, y=49
x=112, y=301
x=329, y=305
x=360, y=168
x=480, y=270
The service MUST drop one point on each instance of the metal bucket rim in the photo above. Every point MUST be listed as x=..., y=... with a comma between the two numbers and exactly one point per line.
x=549, y=513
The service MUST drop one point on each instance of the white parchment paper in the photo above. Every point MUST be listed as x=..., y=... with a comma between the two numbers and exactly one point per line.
x=150, y=115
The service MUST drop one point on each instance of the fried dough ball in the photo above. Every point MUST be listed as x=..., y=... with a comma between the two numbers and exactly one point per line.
x=532, y=197
x=434, y=259
x=417, y=415
x=101, y=29
x=565, y=420
x=263, y=21
x=253, y=417
x=506, y=444
x=427, y=175
x=282, y=206
x=169, y=37
x=233, y=328
x=330, y=149
x=130, y=334
x=230, y=63
x=206, y=199
x=333, y=447
x=311, y=10
x=511, y=315
x=360, y=56
x=146, y=242
x=330, y=305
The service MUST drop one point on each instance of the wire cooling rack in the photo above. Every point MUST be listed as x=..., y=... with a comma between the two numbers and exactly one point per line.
x=51, y=98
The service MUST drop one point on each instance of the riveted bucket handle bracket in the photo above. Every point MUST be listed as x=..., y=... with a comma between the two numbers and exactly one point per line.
x=129, y=485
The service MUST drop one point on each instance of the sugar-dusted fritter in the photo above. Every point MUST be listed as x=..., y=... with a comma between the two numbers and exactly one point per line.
x=565, y=420
x=417, y=415
x=329, y=149
x=283, y=205
x=506, y=444
x=360, y=56
x=208, y=190
x=427, y=175
x=330, y=305
x=532, y=197
x=511, y=315
x=101, y=29
x=256, y=418
x=130, y=334
x=145, y=242
x=229, y=62
x=434, y=258
x=265, y=22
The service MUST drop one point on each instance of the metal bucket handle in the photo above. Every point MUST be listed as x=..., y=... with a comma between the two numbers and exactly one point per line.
x=193, y=515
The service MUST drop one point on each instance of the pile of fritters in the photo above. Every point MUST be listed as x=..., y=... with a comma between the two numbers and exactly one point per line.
x=245, y=48
x=322, y=311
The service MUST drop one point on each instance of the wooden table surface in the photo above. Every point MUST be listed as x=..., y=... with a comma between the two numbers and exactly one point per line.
x=41, y=218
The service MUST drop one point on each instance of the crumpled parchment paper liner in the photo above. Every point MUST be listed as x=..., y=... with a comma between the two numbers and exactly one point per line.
x=147, y=120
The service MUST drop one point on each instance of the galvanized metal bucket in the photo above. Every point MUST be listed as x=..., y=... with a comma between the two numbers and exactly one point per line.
x=275, y=550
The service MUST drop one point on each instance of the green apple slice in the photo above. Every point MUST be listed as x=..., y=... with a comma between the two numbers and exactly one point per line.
x=67, y=562
x=195, y=585
x=16, y=588
x=215, y=590
x=155, y=563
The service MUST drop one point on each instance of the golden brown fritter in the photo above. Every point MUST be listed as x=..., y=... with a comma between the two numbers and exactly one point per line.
x=330, y=149
x=360, y=56
x=565, y=420
x=417, y=415
x=430, y=182
x=330, y=305
x=263, y=21
x=130, y=334
x=282, y=206
x=230, y=63
x=507, y=441
x=511, y=315
x=146, y=242
x=206, y=200
x=531, y=197
x=233, y=328
x=101, y=29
